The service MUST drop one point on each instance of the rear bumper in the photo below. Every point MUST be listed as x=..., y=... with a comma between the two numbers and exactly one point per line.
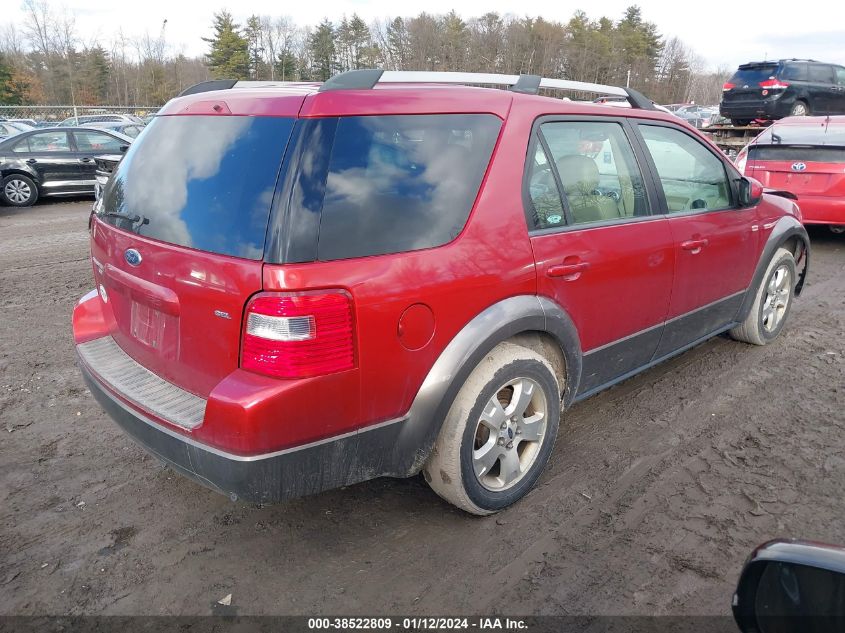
x=285, y=474
x=821, y=209
x=758, y=109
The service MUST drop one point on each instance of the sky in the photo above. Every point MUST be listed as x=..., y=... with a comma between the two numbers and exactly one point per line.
x=722, y=33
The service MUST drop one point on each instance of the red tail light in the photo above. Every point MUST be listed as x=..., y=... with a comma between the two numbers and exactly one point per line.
x=299, y=335
x=728, y=86
x=774, y=84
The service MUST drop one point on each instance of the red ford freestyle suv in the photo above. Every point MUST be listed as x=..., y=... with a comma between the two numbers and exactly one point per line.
x=805, y=156
x=300, y=287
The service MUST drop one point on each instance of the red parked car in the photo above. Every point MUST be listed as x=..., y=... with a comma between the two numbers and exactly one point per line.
x=300, y=287
x=805, y=156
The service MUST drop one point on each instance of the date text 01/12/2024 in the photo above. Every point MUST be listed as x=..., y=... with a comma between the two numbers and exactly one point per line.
x=418, y=624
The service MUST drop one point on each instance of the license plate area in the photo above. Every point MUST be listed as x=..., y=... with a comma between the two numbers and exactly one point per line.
x=155, y=329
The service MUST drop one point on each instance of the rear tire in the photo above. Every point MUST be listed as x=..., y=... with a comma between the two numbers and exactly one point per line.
x=837, y=229
x=479, y=463
x=772, y=303
x=18, y=190
x=800, y=108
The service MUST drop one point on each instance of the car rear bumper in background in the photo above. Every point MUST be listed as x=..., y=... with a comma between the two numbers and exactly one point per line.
x=821, y=209
x=756, y=109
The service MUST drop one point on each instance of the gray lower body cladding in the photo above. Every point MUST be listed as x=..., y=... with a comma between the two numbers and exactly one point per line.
x=282, y=475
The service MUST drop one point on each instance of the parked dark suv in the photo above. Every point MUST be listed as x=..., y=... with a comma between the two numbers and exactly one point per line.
x=299, y=287
x=789, y=87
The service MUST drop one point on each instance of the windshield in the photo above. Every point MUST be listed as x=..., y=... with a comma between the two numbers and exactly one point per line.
x=204, y=182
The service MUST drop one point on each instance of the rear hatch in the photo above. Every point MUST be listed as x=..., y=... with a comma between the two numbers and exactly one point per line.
x=744, y=86
x=179, y=240
x=804, y=159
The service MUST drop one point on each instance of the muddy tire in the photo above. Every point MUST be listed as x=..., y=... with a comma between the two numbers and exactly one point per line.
x=772, y=303
x=499, y=432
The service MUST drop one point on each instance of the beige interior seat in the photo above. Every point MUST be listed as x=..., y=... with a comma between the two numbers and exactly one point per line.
x=580, y=178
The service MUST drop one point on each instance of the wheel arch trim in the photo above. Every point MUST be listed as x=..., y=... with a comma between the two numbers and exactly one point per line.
x=497, y=323
x=785, y=229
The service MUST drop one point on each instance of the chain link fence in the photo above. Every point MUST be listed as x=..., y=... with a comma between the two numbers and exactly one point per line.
x=52, y=115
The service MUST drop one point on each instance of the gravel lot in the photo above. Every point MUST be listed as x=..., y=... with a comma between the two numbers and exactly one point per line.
x=657, y=489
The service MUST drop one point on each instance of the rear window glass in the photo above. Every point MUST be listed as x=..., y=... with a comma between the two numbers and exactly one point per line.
x=813, y=134
x=205, y=182
x=402, y=183
x=752, y=76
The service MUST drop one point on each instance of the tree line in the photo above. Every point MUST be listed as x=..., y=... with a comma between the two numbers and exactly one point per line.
x=44, y=60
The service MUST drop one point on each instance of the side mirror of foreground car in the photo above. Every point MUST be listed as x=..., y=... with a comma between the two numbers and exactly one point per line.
x=792, y=587
x=750, y=191
x=123, y=148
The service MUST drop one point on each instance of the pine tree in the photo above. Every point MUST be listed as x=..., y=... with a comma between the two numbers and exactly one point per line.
x=229, y=55
x=322, y=49
x=255, y=50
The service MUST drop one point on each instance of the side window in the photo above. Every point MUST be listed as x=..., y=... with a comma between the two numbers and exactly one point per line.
x=692, y=177
x=547, y=208
x=840, y=75
x=794, y=72
x=820, y=73
x=49, y=142
x=402, y=183
x=96, y=142
x=597, y=170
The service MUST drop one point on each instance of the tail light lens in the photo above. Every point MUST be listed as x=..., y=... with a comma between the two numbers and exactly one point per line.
x=728, y=86
x=299, y=335
x=774, y=84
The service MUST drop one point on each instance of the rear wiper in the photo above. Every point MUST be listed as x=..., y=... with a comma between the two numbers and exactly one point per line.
x=115, y=214
x=140, y=220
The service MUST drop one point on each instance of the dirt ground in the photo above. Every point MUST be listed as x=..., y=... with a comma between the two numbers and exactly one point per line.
x=656, y=492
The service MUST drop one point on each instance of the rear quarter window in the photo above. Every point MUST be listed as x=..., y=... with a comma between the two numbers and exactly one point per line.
x=402, y=183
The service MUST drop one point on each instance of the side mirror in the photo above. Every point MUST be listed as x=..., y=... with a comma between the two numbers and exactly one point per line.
x=792, y=587
x=123, y=148
x=750, y=191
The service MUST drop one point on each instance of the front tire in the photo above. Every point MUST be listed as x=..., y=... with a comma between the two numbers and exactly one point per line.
x=18, y=190
x=499, y=432
x=773, y=302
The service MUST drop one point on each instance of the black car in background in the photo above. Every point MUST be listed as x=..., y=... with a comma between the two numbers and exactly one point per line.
x=789, y=87
x=53, y=162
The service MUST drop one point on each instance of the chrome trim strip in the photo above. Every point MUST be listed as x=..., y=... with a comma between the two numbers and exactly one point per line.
x=66, y=183
x=672, y=320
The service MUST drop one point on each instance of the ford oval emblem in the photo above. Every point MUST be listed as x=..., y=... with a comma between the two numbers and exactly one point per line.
x=132, y=257
x=799, y=166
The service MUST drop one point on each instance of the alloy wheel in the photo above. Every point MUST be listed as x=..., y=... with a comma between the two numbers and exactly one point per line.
x=777, y=298
x=509, y=434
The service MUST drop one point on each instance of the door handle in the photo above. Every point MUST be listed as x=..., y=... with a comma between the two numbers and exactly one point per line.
x=31, y=161
x=85, y=160
x=694, y=246
x=572, y=271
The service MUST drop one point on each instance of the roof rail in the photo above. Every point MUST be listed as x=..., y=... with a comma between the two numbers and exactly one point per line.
x=525, y=84
x=366, y=79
